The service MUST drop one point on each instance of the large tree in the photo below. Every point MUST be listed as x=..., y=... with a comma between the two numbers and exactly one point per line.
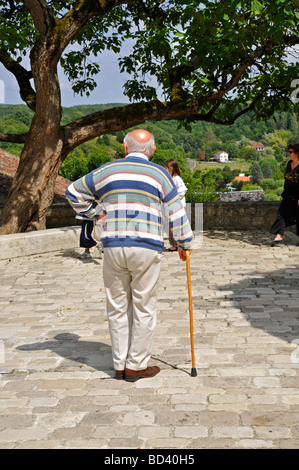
x=211, y=60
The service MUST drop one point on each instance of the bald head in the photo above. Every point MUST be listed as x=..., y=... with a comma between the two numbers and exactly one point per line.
x=140, y=140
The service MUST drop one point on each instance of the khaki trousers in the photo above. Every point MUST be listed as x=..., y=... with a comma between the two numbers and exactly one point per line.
x=131, y=277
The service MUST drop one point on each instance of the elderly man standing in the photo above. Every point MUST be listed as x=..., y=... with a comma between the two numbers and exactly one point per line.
x=134, y=192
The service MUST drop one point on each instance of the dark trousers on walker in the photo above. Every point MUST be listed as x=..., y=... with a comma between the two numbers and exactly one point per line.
x=86, y=240
x=287, y=215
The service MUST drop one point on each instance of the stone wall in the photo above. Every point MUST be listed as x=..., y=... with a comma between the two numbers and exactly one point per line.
x=216, y=215
x=239, y=215
x=61, y=215
x=240, y=196
x=233, y=214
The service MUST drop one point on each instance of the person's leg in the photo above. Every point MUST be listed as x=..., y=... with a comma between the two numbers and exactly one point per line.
x=86, y=240
x=278, y=227
x=117, y=280
x=144, y=266
x=172, y=242
x=297, y=218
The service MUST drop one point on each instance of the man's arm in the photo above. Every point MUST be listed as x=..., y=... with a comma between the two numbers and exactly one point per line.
x=81, y=197
x=180, y=226
x=182, y=253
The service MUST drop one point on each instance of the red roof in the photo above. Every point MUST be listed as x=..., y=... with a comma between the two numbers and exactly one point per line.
x=245, y=179
x=8, y=167
x=256, y=145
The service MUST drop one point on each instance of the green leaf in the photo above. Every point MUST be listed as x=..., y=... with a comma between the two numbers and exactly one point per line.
x=256, y=6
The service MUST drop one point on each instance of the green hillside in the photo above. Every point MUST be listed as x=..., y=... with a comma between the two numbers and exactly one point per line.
x=173, y=140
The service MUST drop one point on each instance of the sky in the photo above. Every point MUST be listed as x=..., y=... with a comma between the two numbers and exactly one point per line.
x=109, y=89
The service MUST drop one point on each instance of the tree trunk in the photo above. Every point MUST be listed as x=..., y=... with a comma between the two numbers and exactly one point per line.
x=32, y=190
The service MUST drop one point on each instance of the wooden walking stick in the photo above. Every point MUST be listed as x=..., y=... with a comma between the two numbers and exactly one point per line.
x=193, y=370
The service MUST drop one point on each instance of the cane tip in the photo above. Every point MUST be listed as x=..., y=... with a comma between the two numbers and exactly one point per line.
x=193, y=372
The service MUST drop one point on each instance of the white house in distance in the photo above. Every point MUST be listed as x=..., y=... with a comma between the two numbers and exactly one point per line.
x=256, y=145
x=220, y=157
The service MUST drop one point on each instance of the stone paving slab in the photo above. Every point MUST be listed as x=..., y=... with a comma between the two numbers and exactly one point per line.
x=57, y=389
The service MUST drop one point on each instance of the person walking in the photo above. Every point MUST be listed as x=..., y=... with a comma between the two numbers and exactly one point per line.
x=288, y=211
x=134, y=192
x=173, y=169
x=86, y=239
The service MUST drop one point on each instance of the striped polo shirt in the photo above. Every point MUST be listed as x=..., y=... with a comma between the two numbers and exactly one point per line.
x=136, y=195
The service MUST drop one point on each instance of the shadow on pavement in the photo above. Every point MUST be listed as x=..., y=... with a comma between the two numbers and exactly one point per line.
x=255, y=237
x=91, y=353
x=76, y=254
x=269, y=301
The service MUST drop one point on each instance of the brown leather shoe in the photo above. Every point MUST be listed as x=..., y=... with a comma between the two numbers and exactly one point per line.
x=133, y=375
x=119, y=374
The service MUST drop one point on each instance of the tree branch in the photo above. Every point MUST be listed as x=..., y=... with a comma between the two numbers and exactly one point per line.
x=22, y=76
x=119, y=118
x=13, y=138
x=41, y=15
x=82, y=11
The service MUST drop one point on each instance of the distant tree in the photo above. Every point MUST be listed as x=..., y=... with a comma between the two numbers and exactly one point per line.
x=233, y=150
x=294, y=126
x=120, y=136
x=279, y=153
x=203, y=188
x=106, y=140
x=278, y=138
x=80, y=162
x=227, y=174
x=236, y=172
x=274, y=122
x=196, y=174
x=185, y=140
x=200, y=155
x=267, y=172
x=166, y=151
x=269, y=183
x=268, y=161
x=74, y=166
x=256, y=174
x=244, y=141
x=251, y=187
x=268, y=152
x=98, y=158
x=249, y=153
x=210, y=135
x=120, y=153
x=283, y=124
x=278, y=175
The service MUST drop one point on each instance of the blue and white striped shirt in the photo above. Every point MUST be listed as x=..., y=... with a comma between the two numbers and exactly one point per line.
x=136, y=194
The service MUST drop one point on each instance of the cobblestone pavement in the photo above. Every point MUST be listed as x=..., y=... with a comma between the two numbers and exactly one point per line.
x=57, y=389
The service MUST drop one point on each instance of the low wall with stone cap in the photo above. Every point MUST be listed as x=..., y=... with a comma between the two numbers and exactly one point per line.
x=63, y=230
x=40, y=241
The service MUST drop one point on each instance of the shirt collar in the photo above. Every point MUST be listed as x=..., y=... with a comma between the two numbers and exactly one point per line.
x=137, y=154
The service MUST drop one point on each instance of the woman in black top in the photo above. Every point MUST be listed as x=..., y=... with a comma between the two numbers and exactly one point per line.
x=288, y=212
